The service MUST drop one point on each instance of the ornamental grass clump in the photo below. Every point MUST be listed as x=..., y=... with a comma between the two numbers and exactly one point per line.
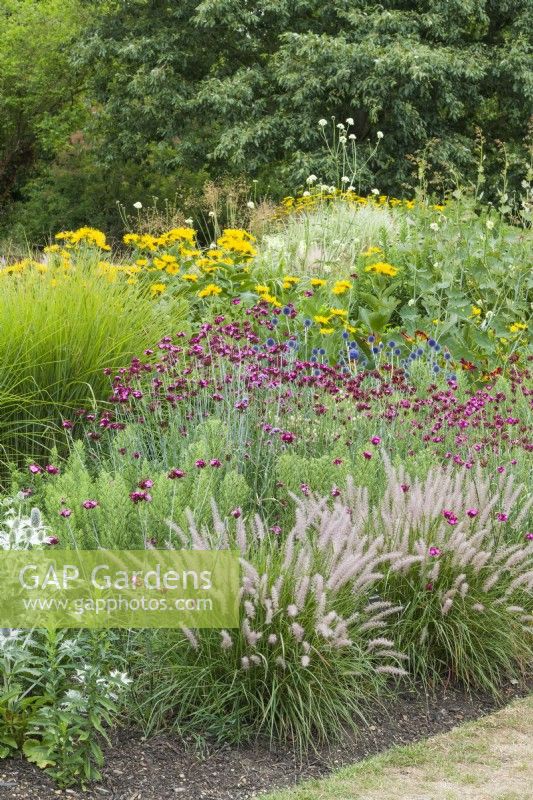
x=60, y=328
x=313, y=647
x=462, y=569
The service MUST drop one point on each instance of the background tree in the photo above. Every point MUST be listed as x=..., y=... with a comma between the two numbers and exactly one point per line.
x=239, y=85
x=174, y=92
x=40, y=90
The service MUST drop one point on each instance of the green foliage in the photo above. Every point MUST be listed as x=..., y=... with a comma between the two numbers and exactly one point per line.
x=58, y=696
x=56, y=338
x=461, y=273
x=40, y=90
x=255, y=82
x=124, y=100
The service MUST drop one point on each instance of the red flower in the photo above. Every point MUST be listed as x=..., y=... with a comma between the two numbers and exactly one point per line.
x=176, y=473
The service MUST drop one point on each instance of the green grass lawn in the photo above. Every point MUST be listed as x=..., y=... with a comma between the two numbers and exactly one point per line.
x=489, y=759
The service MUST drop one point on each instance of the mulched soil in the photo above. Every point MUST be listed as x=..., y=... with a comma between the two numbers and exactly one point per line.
x=163, y=768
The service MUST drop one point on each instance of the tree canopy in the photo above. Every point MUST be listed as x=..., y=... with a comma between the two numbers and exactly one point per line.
x=218, y=87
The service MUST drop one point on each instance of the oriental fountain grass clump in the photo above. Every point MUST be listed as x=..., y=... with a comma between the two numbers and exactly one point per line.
x=313, y=647
x=340, y=600
x=462, y=571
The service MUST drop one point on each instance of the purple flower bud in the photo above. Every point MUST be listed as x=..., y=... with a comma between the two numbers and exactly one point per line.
x=35, y=469
x=90, y=503
x=176, y=473
x=288, y=437
x=450, y=517
x=140, y=497
x=66, y=512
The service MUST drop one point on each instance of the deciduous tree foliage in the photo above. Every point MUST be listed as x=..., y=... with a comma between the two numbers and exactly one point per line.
x=161, y=92
x=40, y=90
x=240, y=85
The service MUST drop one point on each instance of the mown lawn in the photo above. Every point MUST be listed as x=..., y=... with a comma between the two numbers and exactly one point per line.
x=488, y=759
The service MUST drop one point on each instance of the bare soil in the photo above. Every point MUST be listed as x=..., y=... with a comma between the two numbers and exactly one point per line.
x=164, y=768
